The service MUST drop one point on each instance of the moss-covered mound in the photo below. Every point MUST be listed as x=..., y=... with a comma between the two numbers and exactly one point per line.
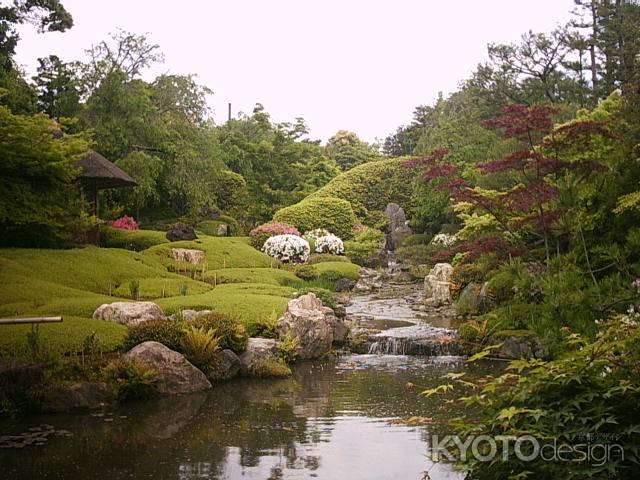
x=136, y=240
x=334, y=214
x=235, y=279
x=371, y=186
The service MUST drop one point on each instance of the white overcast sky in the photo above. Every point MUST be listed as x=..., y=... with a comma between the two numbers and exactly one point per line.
x=356, y=65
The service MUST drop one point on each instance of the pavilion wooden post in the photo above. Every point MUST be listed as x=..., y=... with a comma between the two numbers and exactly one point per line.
x=31, y=320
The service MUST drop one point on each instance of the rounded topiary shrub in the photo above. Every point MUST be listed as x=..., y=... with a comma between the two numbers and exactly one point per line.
x=288, y=248
x=371, y=187
x=260, y=234
x=330, y=213
x=329, y=244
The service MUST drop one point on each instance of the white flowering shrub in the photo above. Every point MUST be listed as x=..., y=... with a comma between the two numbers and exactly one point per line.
x=288, y=248
x=444, y=239
x=315, y=234
x=329, y=244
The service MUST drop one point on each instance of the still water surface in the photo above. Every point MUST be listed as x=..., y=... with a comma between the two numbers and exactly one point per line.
x=332, y=420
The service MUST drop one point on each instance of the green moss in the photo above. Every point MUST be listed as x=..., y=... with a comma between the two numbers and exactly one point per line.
x=417, y=239
x=326, y=257
x=98, y=270
x=67, y=336
x=210, y=227
x=334, y=214
x=364, y=244
x=260, y=288
x=151, y=288
x=220, y=252
x=73, y=283
x=271, y=276
x=269, y=368
x=136, y=240
x=336, y=270
x=248, y=301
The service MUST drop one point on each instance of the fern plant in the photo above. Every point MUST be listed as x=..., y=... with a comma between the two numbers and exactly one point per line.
x=200, y=346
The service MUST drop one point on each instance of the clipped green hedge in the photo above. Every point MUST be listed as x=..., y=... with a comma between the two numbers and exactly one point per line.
x=334, y=214
x=371, y=186
x=136, y=240
x=363, y=245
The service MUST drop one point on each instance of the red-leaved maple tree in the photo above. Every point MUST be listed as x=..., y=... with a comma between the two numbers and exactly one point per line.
x=528, y=206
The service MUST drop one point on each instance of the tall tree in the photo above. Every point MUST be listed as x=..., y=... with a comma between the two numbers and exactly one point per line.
x=58, y=88
x=349, y=151
x=38, y=192
x=126, y=52
x=48, y=16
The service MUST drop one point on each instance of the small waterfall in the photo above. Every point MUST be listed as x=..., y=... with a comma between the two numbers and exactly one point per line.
x=393, y=266
x=392, y=321
x=445, y=345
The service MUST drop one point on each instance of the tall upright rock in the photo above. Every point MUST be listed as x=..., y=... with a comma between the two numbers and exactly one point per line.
x=398, y=226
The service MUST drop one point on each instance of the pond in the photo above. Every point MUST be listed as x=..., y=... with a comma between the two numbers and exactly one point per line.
x=331, y=420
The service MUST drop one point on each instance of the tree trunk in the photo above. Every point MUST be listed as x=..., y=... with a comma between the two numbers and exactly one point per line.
x=592, y=50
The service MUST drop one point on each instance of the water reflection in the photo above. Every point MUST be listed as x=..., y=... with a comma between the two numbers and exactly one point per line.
x=330, y=420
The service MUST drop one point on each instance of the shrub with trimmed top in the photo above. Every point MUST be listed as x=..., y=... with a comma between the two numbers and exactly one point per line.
x=166, y=332
x=370, y=187
x=333, y=214
x=364, y=244
x=136, y=240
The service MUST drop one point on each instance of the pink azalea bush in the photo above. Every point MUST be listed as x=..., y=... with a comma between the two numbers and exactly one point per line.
x=260, y=234
x=126, y=223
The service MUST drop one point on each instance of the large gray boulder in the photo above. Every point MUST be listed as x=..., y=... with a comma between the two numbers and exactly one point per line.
x=473, y=299
x=17, y=376
x=262, y=358
x=75, y=396
x=180, y=231
x=225, y=366
x=437, y=284
x=129, y=313
x=522, y=346
x=313, y=325
x=175, y=373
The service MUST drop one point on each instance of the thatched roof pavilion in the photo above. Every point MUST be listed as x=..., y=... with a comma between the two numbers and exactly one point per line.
x=98, y=173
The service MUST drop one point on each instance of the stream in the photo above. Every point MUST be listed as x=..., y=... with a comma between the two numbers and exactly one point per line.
x=333, y=419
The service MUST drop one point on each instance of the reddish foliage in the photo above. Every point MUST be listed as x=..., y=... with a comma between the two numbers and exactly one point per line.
x=576, y=135
x=521, y=120
x=477, y=247
x=525, y=198
x=530, y=205
x=522, y=161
